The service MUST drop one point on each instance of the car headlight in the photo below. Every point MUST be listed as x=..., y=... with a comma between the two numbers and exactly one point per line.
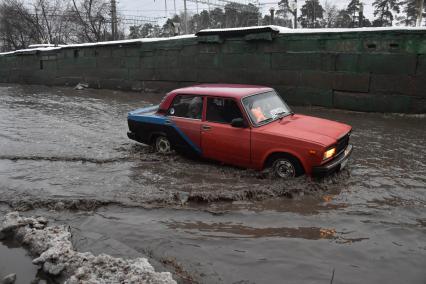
x=329, y=153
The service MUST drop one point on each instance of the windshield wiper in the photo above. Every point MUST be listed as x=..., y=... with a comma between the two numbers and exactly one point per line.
x=283, y=114
x=266, y=120
x=279, y=115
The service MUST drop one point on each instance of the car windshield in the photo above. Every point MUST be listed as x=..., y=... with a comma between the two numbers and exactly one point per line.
x=265, y=107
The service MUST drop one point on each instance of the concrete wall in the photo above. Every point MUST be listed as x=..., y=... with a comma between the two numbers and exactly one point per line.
x=381, y=71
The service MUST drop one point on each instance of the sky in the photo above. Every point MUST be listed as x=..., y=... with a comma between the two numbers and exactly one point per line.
x=156, y=9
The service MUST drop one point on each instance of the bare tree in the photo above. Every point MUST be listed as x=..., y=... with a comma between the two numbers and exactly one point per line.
x=285, y=8
x=16, y=25
x=90, y=20
x=331, y=13
x=49, y=18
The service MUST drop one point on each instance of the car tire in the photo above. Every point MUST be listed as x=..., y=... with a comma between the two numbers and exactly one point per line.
x=162, y=145
x=286, y=167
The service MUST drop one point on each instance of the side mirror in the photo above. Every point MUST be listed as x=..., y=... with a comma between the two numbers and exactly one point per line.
x=238, y=123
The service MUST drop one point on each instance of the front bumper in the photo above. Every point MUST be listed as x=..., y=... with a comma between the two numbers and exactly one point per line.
x=334, y=165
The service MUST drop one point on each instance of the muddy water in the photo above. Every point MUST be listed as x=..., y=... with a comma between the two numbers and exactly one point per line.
x=65, y=149
x=15, y=259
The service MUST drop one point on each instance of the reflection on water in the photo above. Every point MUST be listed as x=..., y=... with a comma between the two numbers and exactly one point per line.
x=230, y=230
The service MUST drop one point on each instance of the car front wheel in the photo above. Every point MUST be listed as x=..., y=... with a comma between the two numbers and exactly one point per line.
x=162, y=145
x=286, y=168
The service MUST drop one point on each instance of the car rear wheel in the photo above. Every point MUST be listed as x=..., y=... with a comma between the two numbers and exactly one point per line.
x=162, y=145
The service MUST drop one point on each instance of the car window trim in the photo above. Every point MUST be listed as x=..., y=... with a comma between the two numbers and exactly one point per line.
x=188, y=118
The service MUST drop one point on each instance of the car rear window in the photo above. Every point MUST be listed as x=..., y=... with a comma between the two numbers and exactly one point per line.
x=188, y=106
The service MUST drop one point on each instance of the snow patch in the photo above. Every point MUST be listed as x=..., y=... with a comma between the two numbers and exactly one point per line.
x=29, y=50
x=272, y=27
x=353, y=30
x=57, y=256
x=81, y=86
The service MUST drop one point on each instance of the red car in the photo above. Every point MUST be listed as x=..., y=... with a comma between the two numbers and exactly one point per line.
x=242, y=125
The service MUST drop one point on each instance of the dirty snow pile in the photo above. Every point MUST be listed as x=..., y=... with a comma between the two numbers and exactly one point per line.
x=57, y=256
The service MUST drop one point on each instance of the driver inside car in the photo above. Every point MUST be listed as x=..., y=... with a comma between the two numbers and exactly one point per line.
x=258, y=114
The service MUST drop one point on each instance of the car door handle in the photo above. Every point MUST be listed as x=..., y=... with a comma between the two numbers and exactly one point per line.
x=206, y=127
x=167, y=122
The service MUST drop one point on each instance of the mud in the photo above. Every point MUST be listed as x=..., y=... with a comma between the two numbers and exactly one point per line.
x=64, y=155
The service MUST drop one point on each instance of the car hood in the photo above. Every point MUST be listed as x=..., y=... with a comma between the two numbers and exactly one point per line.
x=320, y=131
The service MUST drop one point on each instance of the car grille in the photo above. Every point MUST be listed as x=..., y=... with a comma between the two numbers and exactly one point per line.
x=342, y=143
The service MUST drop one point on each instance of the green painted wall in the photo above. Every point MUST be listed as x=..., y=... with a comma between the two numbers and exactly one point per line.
x=381, y=71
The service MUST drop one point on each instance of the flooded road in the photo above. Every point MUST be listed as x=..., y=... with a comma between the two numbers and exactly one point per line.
x=67, y=150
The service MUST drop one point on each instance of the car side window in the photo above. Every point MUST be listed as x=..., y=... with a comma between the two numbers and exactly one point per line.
x=222, y=110
x=187, y=106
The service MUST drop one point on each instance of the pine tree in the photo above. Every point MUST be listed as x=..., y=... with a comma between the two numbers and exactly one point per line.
x=312, y=13
x=411, y=11
x=353, y=10
x=343, y=19
x=384, y=9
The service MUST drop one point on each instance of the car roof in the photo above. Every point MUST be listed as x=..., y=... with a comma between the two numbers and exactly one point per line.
x=223, y=90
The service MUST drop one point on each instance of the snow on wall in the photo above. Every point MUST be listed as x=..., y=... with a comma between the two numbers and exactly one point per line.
x=284, y=30
x=102, y=43
x=278, y=29
x=371, y=29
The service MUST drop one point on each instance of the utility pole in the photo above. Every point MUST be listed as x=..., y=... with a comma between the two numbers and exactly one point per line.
x=174, y=4
x=272, y=11
x=259, y=15
x=185, y=22
x=420, y=8
x=165, y=6
x=114, y=19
